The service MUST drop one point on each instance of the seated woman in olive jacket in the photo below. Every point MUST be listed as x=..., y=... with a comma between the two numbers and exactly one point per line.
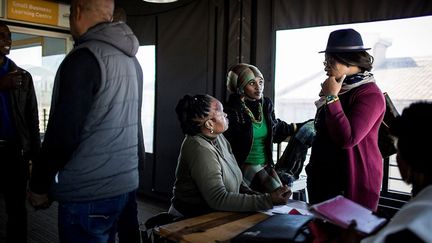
x=207, y=175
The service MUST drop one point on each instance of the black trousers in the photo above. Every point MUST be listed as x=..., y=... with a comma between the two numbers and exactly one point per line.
x=14, y=173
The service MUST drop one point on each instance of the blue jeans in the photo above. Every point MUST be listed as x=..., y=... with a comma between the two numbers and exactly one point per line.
x=91, y=221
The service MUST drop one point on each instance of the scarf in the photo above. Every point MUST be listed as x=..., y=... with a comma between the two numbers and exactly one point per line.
x=349, y=83
x=254, y=109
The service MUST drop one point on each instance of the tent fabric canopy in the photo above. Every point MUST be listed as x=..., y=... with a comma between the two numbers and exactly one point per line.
x=197, y=40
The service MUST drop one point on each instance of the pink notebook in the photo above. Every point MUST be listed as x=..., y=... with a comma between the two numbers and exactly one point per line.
x=341, y=211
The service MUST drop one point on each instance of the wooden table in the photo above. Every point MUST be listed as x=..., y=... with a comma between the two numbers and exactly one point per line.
x=214, y=227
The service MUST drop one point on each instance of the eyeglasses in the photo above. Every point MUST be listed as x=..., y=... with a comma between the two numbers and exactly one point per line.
x=328, y=63
x=331, y=61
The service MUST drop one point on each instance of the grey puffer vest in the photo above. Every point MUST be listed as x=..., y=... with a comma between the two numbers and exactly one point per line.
x=105, y=164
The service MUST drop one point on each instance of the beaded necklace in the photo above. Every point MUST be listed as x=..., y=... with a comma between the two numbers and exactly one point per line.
x=251, y=115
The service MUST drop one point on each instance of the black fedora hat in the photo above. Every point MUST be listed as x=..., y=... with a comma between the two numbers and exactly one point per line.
x=345, y=40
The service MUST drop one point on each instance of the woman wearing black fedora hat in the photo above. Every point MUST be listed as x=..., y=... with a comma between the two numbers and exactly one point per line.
x=345, y=158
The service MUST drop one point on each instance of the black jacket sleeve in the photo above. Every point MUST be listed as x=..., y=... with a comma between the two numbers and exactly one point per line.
x=281, y=130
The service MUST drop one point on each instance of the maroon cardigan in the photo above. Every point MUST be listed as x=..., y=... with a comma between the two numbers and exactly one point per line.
x=345, y=157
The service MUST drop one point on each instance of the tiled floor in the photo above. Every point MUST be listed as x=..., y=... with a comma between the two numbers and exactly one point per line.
x=42, y=225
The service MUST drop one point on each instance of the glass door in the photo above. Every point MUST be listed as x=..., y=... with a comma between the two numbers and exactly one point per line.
x=40, y=53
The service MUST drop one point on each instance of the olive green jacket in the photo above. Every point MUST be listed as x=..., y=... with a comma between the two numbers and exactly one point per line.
x=208, y=179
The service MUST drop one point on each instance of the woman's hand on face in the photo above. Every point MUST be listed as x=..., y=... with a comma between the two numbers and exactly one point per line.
x=332, y=86
x=281, y=195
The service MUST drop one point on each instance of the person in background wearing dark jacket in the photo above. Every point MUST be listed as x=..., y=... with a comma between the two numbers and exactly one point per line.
x=345, y=158
x=19, y=137
x=253, y=127
x=89, y=157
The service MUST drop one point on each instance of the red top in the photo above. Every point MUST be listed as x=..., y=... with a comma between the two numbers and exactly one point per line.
x=345, y=156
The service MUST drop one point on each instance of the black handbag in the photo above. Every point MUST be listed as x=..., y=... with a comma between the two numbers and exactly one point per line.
x=386, y=141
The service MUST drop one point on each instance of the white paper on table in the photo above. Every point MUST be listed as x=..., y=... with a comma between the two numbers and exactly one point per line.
x=285, y=209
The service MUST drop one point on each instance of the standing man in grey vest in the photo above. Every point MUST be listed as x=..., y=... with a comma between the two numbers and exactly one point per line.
x=89, y=157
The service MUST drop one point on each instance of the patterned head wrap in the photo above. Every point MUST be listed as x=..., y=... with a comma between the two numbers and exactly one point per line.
x=240, y=75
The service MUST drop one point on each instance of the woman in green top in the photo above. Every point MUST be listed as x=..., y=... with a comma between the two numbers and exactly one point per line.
x=253, y=127
x=207, y=175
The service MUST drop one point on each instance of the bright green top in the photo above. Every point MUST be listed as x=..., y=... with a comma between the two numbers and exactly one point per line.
x=257, y=154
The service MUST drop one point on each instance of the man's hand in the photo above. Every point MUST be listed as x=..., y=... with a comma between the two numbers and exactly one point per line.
x=39, y=201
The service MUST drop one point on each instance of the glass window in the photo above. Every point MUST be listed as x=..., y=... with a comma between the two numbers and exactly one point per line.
x=147, y=58
x=40, y=53
x=402, y=68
